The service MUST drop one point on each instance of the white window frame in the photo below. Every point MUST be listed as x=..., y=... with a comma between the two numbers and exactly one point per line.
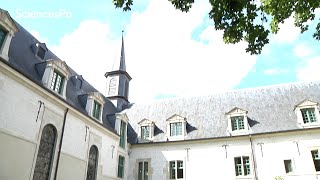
x=7, y=23
x=306, y=104
x=235, y=112
x=146, y=123
x=124, y=118
x=143, y=168
x=51, y=67
x=242, y=168
x=177, y=119
x=176, y=169
x=92, y=98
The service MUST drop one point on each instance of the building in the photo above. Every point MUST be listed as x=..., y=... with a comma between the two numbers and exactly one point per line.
x=55, y=125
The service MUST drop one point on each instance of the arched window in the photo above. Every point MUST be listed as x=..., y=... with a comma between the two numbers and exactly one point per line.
x=92, y=163
x=45, y=153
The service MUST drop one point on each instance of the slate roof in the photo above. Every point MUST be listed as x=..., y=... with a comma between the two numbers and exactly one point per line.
x=23, y=59
x=270, y=109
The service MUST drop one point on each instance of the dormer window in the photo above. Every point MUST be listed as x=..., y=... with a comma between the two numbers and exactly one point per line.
x=121, y=127
x=307, y=113
x=146, y=129
x=176, y=127
x=145, y=132
x=96, y=110
x=57, y=82
x=3, y=34
x=237, y=121
x=7, y=30
x=55, y=76
x=94, y=105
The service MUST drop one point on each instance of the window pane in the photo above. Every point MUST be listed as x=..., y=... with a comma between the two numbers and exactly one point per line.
x=145, y=132
x=288, y=165
x=179, y=169
x=316, y=159
x=237, y=123
x=145, y=166
x=41, y=52
x=92, y=163
x=3, y=34
x=45, y=153
x=96, y=110
x=308, y=115
x=122, y=134
x=246, y=165
x=238, y=166
x=140, y=171
x=172, y=169
x=57, y=82
x=179, y=128
x=121, y=167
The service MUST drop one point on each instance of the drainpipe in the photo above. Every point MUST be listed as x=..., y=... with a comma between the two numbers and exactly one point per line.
x=60, y=144
x=253, y=159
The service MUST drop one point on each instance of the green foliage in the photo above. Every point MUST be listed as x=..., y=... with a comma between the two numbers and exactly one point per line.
x=246, y=20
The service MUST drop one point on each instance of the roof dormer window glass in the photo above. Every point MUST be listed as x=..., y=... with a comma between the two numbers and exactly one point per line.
x=145, y=132
x=57, y=82
x=308, y=115
x=176, y=129
x=96, y=110
x=237, y=123
x=3, y=34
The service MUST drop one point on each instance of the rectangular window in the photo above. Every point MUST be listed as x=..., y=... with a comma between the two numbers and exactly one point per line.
x=308, y=115
x=143, y=170
x=242, y=165
x=3, y=35
x=145, y=132
x=122, y=135
x=96, y=110
x=316, y=159
x=237, y=123
x=176, y=169
x=121, y=167
x=288, y=165
x=57, y=82
x=176, y=129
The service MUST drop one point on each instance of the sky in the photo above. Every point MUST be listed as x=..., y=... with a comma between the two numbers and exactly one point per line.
x=168, y=53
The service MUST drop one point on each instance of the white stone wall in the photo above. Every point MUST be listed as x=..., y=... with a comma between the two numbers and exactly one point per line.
x=207, y=159
x=19, y=106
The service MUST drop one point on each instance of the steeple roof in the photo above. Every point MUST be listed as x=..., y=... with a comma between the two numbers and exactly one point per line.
x=120, y=65
x=122, y=57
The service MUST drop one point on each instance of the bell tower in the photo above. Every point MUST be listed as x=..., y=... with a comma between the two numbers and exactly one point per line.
x=118, y=82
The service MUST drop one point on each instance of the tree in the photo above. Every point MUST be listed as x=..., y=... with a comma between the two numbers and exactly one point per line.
x=250, y=20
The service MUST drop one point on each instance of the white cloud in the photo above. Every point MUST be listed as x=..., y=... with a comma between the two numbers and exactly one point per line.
x=288, y=33
x=274, y=71
x=161, y=55
x=302, y=50
x=310, y=71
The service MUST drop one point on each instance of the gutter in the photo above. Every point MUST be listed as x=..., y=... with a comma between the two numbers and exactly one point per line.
x=253, y=159
x=60, y=144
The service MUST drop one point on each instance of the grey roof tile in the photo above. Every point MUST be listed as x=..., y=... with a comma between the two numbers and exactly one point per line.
x=270, y=109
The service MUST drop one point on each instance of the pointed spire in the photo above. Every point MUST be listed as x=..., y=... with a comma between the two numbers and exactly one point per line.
x=122, y=58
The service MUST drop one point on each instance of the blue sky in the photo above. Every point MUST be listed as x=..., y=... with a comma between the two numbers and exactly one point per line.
x=169, y=53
